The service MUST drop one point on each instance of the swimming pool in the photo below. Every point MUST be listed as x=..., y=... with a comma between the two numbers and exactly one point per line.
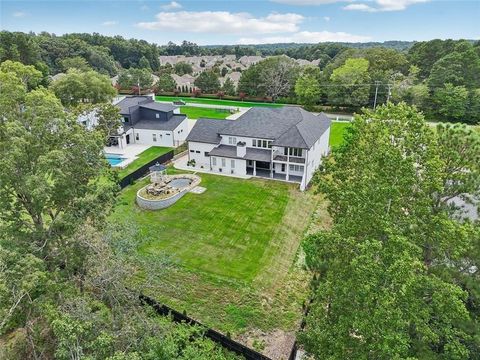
x=114, y=159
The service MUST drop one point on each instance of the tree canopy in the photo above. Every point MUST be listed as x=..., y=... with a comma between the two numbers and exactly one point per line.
x=83, y=87
x=389, y=267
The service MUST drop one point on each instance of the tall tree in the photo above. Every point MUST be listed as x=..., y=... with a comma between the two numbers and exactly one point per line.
x=381, y=286
x=83, y=87
x=307, y=87
x=165, y=83
x=208, y=82
x=350, y=83
x=134, y=77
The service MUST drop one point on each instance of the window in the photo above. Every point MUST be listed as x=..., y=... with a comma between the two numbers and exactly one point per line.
x=154, y=137
x=297, y=168
x=232, y=164
x=293, y=152
x=192, y=151
x=262, y=143
x=198, y=151
x=206, y=153
x=137, y=136
x=224, y=162
x=157, y=115
x=214, y=161
x=283, y=167
x=232, y=140
x=125, y=119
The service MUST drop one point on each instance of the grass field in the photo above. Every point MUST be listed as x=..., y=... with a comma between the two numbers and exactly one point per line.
x=232, y=248
x=193, y=112
x=216, y=101
x=143, y=158
x=336, y=132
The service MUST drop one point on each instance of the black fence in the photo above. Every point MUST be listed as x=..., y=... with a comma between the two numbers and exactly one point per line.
x=142, y=171
x=213, y=335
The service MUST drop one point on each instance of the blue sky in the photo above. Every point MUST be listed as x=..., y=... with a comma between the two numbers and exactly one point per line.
x=249, y=21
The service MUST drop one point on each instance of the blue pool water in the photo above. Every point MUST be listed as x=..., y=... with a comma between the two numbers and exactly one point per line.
x=114, y=159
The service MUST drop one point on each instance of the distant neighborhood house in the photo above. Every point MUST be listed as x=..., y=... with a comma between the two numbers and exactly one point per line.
x=285, y=143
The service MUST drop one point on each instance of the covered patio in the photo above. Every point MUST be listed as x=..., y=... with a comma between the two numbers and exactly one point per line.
x=266, y=174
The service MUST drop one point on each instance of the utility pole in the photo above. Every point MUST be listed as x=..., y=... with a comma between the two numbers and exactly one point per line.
x=389, y=92
x=377, y=83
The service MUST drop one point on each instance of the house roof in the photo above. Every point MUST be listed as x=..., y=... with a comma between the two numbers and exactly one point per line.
x=129, y=101
x=158, y=106
x=168, y=125
x=207, y=130
x=230, y=151
x=287, y=126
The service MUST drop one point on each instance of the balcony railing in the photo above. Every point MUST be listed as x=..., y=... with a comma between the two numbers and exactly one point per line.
x=292, y=159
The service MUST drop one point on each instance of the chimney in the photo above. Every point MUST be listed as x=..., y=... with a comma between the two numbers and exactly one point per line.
x=241, y=149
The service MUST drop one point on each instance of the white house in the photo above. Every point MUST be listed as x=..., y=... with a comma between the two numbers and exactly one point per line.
x=147, y=122
x=285, y=143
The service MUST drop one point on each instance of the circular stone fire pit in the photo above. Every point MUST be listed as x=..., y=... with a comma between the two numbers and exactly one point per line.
x=169, y=189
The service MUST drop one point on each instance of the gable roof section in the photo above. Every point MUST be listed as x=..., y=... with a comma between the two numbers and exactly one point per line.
x=129, y=101
x=168, y=125
x=207, y=130
x=287, y=126
x=158, y=106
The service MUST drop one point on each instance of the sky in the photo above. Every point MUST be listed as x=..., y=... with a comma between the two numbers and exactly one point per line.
x=249, y=21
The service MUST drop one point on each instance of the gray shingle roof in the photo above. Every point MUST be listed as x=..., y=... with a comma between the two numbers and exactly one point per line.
x=287, y=126
x=130, y=101
x=207, y=130
x=258, y=154
x=169, y=125
x=158, y=106
x=230, y=151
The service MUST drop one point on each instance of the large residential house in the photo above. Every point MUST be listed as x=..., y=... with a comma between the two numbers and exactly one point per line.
x=147, y=122
x=285, y=143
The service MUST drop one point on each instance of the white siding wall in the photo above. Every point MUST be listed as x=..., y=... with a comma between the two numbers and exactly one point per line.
x=315, y=154
x=197, y=150
x=181, y=132
x=240, y=167
x=145, y=137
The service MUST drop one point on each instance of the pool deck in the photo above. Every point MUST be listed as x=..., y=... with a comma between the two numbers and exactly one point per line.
x=130, y=153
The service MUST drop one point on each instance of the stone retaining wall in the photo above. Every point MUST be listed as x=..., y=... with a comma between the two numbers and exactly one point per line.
x=149, y=204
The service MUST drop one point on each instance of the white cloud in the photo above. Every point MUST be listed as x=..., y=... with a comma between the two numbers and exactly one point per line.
x=306, y=37
x=224, y=22
x=307, y=2
x=366, y=5
x=359, y=7
x=109, y=23
x=326, y=18
x=19, y=14
x=173, y=5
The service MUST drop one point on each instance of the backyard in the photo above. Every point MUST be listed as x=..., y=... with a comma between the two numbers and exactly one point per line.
x=337, y=132
x=148, y=155
x=194, y=112
x=229, y=257
x=233, y=103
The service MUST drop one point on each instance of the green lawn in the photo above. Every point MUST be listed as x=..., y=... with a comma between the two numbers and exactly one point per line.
x=336, y=132
x=143, y=158
x=232, y=248
x=193, y=112
x=216, y=101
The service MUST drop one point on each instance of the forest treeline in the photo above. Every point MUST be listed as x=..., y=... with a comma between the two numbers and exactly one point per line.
x=440, y=77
